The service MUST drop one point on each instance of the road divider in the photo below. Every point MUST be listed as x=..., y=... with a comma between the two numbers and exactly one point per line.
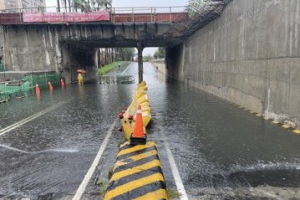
x=128, y=115
x=137, y=174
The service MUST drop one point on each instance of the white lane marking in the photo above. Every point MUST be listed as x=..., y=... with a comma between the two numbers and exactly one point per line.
x=28, y=119
x=88, y=176
x=175, y=172
x=126, y=69
x=62, y=150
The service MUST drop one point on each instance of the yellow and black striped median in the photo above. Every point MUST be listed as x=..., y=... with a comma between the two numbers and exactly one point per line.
x=137, y=174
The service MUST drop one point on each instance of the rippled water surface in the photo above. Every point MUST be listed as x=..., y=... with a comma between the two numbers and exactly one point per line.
x=222, y=151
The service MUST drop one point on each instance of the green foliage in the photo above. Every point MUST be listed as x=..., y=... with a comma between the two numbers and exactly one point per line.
x=107, y=68
x=160, y=53
x=125, y=53
x=173, y=193
x=110, y=172
x=103, y=187
x=93, y=5
x=147, y=58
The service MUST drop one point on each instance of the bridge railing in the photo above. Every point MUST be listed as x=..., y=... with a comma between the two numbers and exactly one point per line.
x=117, y=15
x=149, y=14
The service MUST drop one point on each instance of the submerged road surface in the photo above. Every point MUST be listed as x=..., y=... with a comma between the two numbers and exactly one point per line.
x=47, y=146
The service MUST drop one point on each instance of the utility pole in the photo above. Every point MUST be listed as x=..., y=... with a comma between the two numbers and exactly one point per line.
x=140, y=60
x=58, y=6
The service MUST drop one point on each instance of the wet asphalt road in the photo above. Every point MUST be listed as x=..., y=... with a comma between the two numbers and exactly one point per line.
x=222, y=151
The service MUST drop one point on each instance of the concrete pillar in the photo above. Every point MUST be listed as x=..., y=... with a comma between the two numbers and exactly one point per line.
x=140, y=60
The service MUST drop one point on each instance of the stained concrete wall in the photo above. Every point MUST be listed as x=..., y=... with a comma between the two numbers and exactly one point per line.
x=32, y=49
x=250, y=56
x=67, y=47
x=42, y=48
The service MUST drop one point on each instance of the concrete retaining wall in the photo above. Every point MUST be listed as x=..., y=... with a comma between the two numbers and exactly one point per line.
x=250, y=56
x=40, y=48
x=160, y=66
x=32, y=49
x=64, y=47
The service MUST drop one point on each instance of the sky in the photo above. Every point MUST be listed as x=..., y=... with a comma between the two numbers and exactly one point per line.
x=138, y=3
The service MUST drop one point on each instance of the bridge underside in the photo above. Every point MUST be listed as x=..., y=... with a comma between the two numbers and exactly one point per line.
x=123, y=42
x=121, y=35
x=66, y=47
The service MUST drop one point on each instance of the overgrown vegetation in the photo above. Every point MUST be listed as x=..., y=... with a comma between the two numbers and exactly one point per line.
x=84, y=5
x=173, y=193
x=92, y=5
x=103, y=187
x=110, y=172
x=107, y=68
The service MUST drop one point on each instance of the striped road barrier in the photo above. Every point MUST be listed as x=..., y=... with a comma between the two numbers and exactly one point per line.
x=137, y=174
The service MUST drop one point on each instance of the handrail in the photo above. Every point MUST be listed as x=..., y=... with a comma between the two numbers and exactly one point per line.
x=117, y=14
x=73, y=9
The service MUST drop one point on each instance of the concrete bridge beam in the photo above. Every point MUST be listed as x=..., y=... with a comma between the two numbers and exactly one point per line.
x=65, y=47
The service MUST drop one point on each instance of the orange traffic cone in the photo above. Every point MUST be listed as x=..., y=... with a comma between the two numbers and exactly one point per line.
x=138, y=136
x=62, y=83
x=37, y=89
x=50, y=86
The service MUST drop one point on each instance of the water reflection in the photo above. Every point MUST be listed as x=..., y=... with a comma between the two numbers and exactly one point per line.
x=120, y=79
x=222, y=152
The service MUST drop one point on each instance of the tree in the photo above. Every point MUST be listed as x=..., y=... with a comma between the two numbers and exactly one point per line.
x=147, y=58
x=101, y=4
x=160, y=53
x=92, y=5
x=58, y=6
x=125, y=54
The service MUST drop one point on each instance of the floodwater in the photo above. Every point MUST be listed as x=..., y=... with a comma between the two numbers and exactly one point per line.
x=222, y=151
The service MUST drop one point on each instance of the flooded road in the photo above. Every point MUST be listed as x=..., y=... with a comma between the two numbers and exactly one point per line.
x=221, y=151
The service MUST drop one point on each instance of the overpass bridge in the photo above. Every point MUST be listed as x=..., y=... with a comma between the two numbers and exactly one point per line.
x=65, y=41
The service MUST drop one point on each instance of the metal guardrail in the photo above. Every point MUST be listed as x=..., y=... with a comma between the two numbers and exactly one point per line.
x=152, y=10
x=157, y=17
x=114, y=10
x=118, y=14
x=148, y=14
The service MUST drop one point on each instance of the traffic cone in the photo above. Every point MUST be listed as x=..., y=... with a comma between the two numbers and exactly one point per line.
x=138, y=136
x=37, y=89
x=38, y=96
x=50, y=86
x=62, y=83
